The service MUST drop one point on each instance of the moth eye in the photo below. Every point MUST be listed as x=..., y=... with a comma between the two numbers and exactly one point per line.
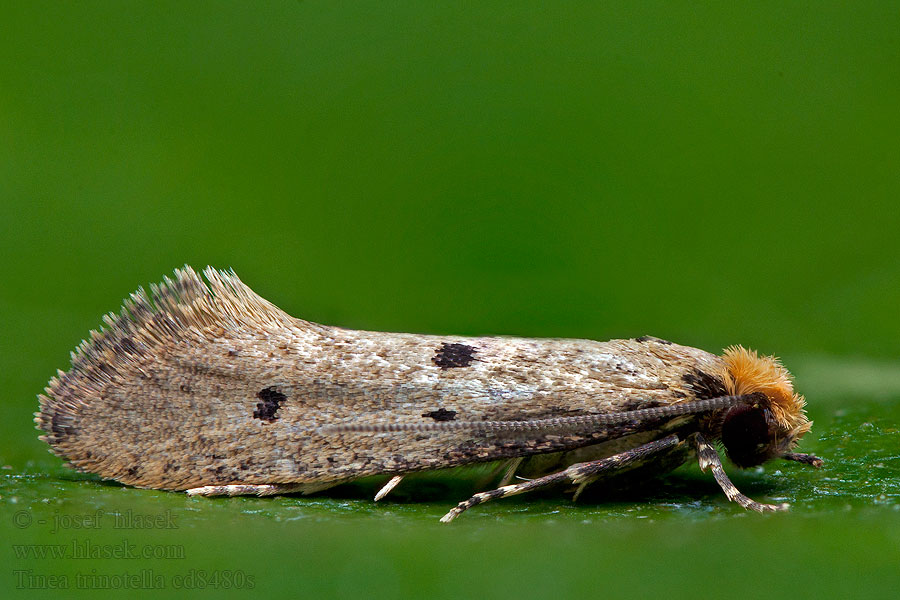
x=747, y=436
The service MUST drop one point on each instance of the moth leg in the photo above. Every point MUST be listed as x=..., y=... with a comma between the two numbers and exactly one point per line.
x=708, y=458
x=578, y=473
x=386, y=489
x=580, y=489
x=806, y=459
x=511, y=469
x=248, y=489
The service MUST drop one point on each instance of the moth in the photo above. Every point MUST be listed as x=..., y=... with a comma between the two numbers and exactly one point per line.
x=203, y=386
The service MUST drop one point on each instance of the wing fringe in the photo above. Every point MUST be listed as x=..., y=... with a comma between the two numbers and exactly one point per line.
x=172, y=309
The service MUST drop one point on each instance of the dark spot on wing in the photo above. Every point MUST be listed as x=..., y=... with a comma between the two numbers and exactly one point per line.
x=270, y=401
x=704, y=385
x=449, y=356
x=650, y=338
x=441, y=414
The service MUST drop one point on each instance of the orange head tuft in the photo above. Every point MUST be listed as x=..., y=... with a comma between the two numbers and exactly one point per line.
x=753, y=435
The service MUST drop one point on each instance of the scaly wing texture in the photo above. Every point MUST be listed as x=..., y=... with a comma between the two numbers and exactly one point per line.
x=206, y=383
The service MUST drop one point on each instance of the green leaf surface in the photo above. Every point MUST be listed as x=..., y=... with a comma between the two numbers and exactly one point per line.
x=706, y=173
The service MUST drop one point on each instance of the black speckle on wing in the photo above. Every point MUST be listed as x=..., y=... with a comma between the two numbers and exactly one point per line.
x=441, y=414
x=450, y=356
x=270, y=402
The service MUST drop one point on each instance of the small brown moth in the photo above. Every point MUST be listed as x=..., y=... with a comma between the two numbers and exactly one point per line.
x=204, y=386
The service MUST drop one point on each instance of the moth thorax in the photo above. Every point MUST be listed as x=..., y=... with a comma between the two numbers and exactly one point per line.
x=750, y=435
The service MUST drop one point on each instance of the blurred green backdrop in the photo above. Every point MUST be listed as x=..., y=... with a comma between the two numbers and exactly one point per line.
x=710, y=174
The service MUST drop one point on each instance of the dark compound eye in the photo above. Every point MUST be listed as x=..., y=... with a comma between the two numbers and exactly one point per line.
x=748, y=436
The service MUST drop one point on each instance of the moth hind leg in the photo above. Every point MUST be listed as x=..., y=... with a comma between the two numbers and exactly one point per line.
x=510, y=469
x=579, y=473
x=708, y=458
x=258, y=489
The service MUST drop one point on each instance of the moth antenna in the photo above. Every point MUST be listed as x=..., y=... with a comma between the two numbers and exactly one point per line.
x=644, y=414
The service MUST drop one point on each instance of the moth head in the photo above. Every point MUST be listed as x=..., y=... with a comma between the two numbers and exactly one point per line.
x=771, y=425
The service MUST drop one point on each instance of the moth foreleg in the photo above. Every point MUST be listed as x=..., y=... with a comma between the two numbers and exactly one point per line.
x=708, y=458
x=806, y=459
x=249, y=489
x=578, y=473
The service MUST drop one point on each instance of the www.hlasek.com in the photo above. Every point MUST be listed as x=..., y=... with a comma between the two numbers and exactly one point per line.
x=86, y=548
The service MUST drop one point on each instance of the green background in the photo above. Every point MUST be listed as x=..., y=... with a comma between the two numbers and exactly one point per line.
x=711, y=174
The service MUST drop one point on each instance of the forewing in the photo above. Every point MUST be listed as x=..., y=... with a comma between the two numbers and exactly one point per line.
x=205, y=383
